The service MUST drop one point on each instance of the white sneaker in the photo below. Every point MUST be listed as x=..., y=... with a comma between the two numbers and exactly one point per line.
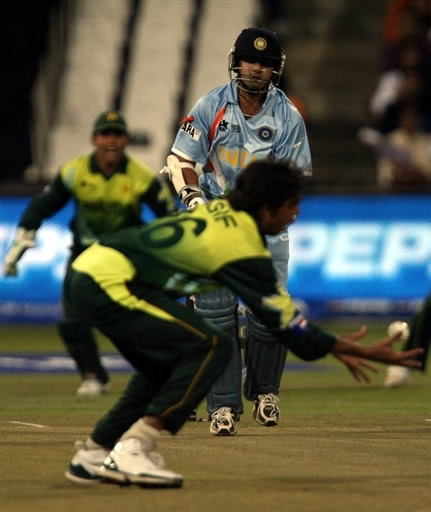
x=223, y=422
x=92, y=387
x=132, y=461
x=397, y=377
x=84, y=468
x=266, y=410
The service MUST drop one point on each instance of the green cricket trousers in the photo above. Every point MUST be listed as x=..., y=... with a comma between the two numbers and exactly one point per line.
x=177, y=354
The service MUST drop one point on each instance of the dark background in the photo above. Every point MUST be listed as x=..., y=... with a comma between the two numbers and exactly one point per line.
x=23, y=29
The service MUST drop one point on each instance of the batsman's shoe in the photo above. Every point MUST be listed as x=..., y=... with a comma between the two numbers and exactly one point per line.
x=266, y=410
x=92, y=387
x=84, y=468
x=223, y=422
x=397, y=377
x=131, y=462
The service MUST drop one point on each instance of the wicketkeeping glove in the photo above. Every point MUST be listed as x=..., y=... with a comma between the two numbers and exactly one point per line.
x=24, y=239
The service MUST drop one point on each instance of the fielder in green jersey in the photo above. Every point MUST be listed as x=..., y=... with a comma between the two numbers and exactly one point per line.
x=128, y=285
x=108, y=188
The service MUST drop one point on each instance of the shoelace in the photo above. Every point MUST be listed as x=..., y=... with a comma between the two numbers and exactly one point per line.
x=269, y=398
x=222, y=413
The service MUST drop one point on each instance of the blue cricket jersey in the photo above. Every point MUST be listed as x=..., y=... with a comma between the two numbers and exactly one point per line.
x=217, y=135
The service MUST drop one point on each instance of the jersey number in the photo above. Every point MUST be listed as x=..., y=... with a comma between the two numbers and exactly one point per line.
x=169, y=233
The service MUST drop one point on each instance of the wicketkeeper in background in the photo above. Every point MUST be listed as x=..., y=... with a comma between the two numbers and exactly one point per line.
x=108, y=188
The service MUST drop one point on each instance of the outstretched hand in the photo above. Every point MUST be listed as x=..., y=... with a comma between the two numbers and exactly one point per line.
x=356, y=356
x=356, y=365
x=383, y=352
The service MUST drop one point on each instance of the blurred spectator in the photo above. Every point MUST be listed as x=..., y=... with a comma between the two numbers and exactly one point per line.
x=405, y=19
x=404, y=161
x=398, y=15
x=409, y=82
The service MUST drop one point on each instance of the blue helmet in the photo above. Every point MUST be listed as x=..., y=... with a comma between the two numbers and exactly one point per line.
x=261, y=44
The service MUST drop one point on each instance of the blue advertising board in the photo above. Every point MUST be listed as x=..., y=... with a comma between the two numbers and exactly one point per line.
x=348, y=255
x=361, y=255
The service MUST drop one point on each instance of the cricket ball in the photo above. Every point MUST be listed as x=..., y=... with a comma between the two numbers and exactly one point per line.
x=396, y=327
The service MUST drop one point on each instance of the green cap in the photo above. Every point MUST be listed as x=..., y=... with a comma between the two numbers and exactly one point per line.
x=110, y=120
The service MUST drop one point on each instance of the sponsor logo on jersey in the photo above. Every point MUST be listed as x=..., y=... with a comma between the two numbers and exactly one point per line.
x=188, y=128
x=223, y=126
x=234, y=157
x=265, y=133
x=235, y=128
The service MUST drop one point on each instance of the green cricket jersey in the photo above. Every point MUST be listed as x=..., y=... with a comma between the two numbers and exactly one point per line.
x=103, y=204
x=194, y=251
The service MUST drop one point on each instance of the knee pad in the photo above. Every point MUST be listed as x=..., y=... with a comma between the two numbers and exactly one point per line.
x=264, y=363
x=220, y=307
x=258, y=331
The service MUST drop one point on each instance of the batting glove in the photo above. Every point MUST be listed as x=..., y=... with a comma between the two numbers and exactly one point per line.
x=194, y=201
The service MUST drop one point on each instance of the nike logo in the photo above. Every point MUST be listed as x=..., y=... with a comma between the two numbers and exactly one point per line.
x=297, y=144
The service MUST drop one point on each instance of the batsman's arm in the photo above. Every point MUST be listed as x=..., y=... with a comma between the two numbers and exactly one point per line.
x=185, y=180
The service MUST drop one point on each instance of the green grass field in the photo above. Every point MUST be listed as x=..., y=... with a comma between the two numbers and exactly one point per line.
x=340, y=446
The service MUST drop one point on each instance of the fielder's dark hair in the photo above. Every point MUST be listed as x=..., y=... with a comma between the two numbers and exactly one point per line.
x=266, y=183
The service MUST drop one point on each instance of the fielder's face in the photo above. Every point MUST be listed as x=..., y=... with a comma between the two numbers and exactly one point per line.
x=255, y=75
x=110, y=146
x=273, y=222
